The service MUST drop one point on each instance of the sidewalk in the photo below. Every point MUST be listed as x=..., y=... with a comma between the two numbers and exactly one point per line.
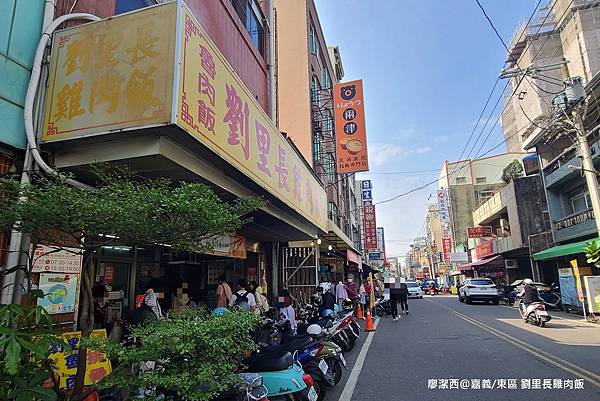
x=558, y=314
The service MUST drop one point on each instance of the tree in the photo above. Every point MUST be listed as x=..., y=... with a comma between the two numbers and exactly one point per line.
x=124, y=210
x=512, y=171
x=203, y=354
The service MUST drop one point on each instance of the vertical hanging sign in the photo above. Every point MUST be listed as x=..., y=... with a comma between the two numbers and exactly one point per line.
x=442, y=200
x=350, y=130
x=370, y=228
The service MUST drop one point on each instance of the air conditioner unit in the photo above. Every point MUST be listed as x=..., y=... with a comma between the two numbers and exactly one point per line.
x=511, y=263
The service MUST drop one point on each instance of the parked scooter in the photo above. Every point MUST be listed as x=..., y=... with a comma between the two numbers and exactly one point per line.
x=283, y=376
x=535, y=313
x=551, y=297
x=383, y=307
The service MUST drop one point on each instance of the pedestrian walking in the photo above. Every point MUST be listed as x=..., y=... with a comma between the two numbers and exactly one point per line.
x=403, y=297
x=394, y=297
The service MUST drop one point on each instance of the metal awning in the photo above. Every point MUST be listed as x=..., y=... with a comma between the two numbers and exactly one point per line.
x=564, y=250
x=336, y=237
x=486, y=261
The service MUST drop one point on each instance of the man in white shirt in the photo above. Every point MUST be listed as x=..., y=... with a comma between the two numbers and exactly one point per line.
x=243, y=298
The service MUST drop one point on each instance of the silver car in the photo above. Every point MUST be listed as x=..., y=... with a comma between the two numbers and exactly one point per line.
x=414, y=290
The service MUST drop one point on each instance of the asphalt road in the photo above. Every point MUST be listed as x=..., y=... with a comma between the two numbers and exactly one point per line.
x=452, y=345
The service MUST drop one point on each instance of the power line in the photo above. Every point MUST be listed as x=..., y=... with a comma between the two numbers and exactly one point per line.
x=492, y=25
x=501, y=93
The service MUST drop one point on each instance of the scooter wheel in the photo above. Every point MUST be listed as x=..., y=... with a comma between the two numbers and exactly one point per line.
x=321, y=389
x=335, y=370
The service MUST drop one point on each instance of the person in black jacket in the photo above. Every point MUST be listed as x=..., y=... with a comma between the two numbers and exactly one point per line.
x=529, y=293
x=403, y=297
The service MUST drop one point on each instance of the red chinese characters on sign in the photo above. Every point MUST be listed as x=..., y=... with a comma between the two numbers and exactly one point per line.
x=484, y=249
x=297, y=183
x=370, y=225
x=479, y=232
x=282, y=169
x=206, y=112
x=237, y=120
x=263, y=143
x=446, y=246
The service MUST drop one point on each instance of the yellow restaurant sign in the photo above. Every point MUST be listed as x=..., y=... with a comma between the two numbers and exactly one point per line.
x=159, y=67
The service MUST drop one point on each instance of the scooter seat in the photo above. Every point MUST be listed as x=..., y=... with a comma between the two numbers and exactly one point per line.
x=297, y=343
x=269, y=362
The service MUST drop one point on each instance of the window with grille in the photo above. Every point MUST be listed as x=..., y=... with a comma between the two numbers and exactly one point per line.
x=480, y=180
x=461, y=180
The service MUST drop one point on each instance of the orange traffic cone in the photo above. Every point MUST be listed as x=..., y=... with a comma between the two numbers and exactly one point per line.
x=369, y=326
x=359, y=314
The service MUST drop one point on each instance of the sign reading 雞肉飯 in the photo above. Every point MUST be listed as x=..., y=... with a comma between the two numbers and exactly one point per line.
x=155, y=67
x=111, y=75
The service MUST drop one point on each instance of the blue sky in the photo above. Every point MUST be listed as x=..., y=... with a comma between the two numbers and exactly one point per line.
x=428, y=67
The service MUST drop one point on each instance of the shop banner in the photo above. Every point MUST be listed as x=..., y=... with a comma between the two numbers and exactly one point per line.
x=479, y=232
x=350, y=130
x=446, y=246
x=484, y=249
x=381, y=240
x=568, y=288
x=370, y=226
x=577, y=276
x=215, y=106
x=57, y=260
x=352, y=256
x=156, y=67
x=459, y=257
x=592, y=292
x=66, y=360
x=110, y=75
x=60, y=292
x=442, y=200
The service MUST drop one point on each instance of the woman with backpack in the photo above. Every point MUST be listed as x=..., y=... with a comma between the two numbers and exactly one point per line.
x=243, y=298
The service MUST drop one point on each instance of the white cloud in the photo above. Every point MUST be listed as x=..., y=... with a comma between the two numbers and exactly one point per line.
x=423, y=150
x=382, y=153
x=440, y=139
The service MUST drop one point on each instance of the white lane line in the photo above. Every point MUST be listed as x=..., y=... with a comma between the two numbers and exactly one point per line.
x=357, y=368
x=580, y=321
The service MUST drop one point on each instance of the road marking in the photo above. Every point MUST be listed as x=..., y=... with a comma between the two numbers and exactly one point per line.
x=581, y=321
x=357, y=368
x=576, y=370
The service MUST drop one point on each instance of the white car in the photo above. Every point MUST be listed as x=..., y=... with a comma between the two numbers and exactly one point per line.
x=414, y=290
x=478, y=289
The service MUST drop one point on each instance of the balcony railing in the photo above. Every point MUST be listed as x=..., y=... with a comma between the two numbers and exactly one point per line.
x=574, y=219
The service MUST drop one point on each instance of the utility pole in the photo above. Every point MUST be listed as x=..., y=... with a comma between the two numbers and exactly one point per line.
x=587, y=165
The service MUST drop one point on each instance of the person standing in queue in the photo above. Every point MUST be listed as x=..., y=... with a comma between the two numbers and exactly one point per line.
x=224, y=292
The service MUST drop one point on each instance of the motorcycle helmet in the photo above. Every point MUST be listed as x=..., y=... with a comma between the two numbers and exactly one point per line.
x=219, y=311
x=528, y=281
x=326, y=286
x=314, y=330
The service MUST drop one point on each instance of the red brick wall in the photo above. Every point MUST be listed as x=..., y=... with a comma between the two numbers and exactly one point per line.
x=225, y=29
x=101, y=8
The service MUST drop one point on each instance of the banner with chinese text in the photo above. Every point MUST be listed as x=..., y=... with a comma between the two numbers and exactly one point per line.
x=66, y=360
x=350, y=130
x=112, y=74
x=216, y=107
x=370, y=226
